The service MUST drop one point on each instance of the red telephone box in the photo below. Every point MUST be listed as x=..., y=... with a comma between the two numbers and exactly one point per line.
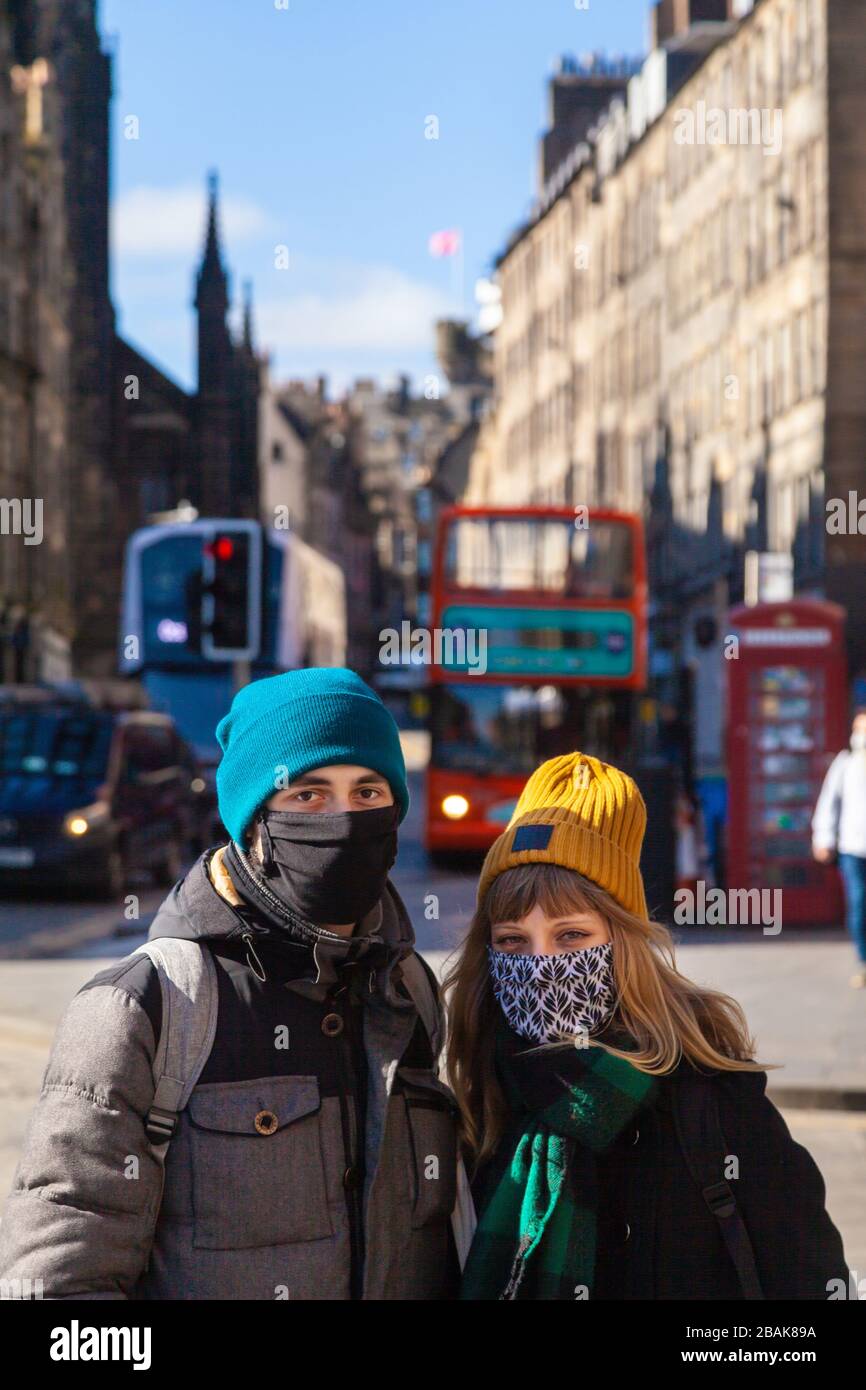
x=787, y=719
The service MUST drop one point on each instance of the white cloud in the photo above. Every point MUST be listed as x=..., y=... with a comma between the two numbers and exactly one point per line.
x=378, y=309
x=165, y=222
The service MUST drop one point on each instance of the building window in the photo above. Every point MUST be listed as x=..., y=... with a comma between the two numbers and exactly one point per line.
x=768, y=378
x=781, y=390
x=771, y=212
x=786, y=74
x=801, y=42
x=818, y=351
x=783, y=521
x=818, y=193
x=798, y=359
x=786, y=214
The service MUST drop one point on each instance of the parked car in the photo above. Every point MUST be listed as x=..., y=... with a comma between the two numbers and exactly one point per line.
x=88, y=795
x=205, y=825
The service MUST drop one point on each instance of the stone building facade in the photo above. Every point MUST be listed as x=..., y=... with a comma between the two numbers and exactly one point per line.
x=397, y=435
x=312, y=484
x=684, y=319
x=37, y=373
x=90, y=429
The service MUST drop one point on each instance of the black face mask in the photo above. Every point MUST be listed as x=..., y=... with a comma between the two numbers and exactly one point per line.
x=329, y=869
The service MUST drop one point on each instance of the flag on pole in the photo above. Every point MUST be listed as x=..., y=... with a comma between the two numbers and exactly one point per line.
x=445, y=243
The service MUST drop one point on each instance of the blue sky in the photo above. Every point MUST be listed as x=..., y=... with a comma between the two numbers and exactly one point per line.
x=315, y=116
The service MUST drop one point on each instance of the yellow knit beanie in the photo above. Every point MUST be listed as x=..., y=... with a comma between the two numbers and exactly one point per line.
x=583, y=814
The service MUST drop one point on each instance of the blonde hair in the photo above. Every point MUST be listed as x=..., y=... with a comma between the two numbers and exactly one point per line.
x=668, y=1016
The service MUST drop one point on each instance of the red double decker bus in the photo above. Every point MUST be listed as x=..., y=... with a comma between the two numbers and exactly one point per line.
x=539, y=621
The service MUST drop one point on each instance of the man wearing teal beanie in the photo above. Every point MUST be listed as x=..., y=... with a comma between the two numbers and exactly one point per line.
x=279, y=728
x=311, y=787
x=313, y=1148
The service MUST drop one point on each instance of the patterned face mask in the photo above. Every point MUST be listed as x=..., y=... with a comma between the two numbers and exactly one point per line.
x=548, y=998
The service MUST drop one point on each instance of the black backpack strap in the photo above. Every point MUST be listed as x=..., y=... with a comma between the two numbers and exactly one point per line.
x=699, y=1131
x=424, y=992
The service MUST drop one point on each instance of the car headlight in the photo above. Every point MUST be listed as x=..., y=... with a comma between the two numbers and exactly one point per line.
x=455, y=806
x=78, y=823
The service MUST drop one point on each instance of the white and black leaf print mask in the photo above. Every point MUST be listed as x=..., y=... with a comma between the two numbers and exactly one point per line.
x=546, y=998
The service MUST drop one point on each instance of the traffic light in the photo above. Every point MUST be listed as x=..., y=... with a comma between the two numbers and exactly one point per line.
x=193, y=593
x=231, y=600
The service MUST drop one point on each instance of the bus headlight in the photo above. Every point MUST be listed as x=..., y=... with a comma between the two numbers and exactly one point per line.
x=77, y=823
x=455, y=807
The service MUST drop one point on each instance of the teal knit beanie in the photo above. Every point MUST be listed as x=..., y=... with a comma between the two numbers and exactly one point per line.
x=282, y=726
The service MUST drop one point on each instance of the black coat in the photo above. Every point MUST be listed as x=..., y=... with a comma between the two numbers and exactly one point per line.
x=657, y=1239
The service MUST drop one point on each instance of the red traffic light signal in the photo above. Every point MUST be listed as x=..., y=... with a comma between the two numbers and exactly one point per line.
x=231, y=608
x=222, y=548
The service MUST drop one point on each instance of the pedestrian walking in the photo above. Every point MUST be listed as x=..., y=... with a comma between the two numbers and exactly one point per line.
x=620, y=1140
x=839, y=834
x=249, y=1107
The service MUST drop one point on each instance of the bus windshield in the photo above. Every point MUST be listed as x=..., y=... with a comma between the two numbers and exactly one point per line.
x=507, y=730
x=540, y=554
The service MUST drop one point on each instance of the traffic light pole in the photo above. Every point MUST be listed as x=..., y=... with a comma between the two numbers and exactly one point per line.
x=240, y=674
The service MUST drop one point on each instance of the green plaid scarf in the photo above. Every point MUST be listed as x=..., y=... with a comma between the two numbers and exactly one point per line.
x=536, y=1237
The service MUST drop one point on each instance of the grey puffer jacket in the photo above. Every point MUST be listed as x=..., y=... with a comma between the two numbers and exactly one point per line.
x=349, y=1196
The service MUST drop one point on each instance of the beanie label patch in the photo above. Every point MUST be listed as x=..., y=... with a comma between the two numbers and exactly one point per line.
x=531, y=837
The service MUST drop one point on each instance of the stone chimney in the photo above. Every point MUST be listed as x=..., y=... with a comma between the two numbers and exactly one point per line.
x=578, y=94
x=672, y=18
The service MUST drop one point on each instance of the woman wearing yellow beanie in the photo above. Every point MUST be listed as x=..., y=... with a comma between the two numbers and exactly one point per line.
x=614, y=1118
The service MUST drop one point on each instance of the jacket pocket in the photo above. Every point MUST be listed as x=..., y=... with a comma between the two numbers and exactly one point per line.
x=258, y=1174
x=431, y=1114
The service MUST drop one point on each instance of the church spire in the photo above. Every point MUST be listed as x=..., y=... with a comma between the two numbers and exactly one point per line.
x=248, y=315
x=212, y=270
x=212, y=303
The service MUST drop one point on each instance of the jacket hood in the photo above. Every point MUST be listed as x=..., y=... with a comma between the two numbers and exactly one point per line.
x=195, y=910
